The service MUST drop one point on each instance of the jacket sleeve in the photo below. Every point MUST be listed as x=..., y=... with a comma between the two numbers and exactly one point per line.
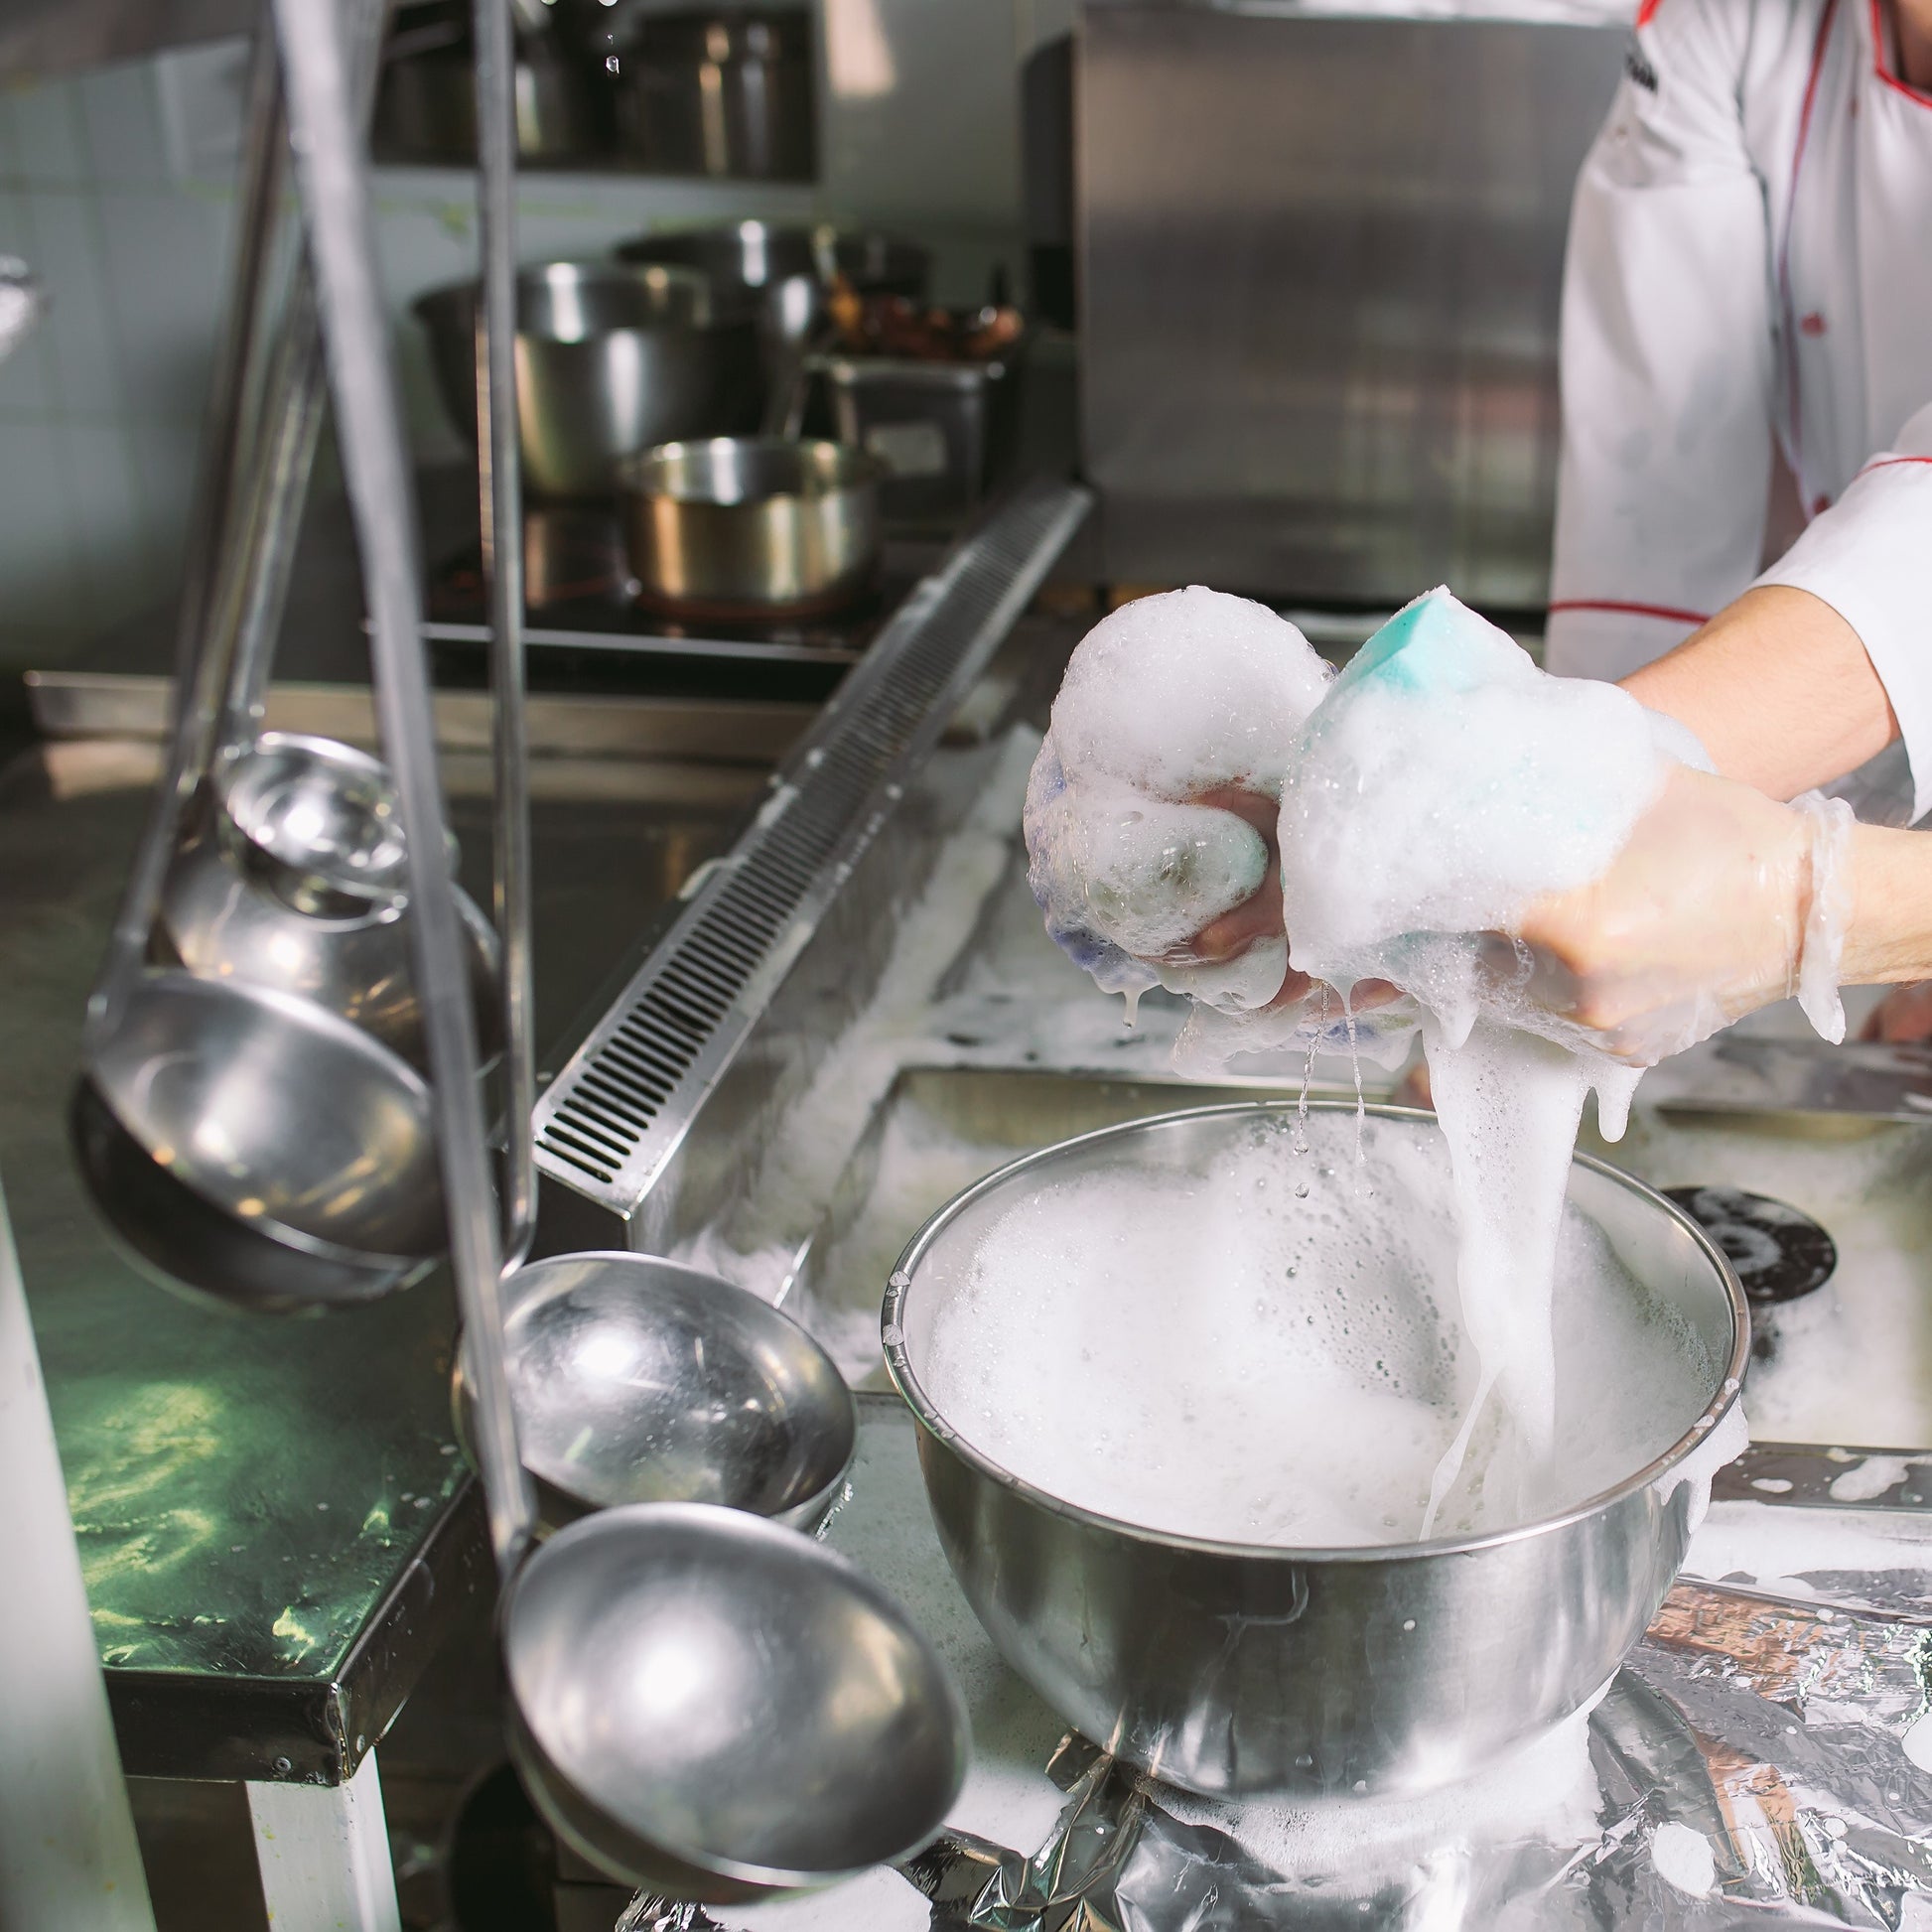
x=1667, y=354
x=1869, y=557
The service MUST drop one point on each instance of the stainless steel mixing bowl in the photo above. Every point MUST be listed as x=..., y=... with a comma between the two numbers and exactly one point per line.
x=612, y=357
x=765, y=1716
x=1231, y=1668
x=637, y=1380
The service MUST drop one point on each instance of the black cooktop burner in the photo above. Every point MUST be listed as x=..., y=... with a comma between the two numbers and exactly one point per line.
x=1780, y=1254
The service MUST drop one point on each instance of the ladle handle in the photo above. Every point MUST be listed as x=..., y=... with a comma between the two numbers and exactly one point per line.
x=247, y=509
x=202, y=675
x=500, y=470
x=253, y=590
x=334, y=182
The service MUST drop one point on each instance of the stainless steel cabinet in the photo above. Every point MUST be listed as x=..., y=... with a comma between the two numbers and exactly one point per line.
x=1320, y=268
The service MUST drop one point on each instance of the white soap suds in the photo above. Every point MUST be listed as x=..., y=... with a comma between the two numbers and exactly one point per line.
x=1684, y=1858
x=1851, y=1363
x=1169, y=700
x=1267, y=1351
x=1544, y=1792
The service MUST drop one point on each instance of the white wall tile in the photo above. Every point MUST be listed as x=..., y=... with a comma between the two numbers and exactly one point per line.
x=122, y=122
x=167, y=264
x=46, y=129
x=81, y=356
x=26, y=378
x=118, y=574
x=37, y=527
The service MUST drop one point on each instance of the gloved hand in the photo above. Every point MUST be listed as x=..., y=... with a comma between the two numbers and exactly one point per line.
x=1721, y=902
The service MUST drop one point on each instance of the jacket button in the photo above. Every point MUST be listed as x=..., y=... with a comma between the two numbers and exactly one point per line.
x=1819, y=504
x=1812, y=323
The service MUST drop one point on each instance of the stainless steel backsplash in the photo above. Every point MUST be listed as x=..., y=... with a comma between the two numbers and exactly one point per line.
x=1320, y=260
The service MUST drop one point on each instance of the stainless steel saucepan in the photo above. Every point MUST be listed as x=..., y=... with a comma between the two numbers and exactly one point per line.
x=740, y=525
x=1232, y=1668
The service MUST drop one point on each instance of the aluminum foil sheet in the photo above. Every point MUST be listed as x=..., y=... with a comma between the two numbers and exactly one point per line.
x=1757, y=1761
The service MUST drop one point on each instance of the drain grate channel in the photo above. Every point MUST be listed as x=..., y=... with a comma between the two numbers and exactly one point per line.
x=617, y=1111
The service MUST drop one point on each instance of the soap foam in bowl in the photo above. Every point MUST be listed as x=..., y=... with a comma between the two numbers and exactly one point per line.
x=1178, y=1420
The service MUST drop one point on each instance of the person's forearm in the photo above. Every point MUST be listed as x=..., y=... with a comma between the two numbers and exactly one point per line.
x=1889, y=940
x=1778, y=688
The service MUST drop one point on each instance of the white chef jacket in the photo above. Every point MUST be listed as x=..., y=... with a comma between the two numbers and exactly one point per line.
x=1750, y=255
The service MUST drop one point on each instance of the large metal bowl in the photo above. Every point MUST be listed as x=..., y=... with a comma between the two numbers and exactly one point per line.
x=1231, y=1668
x=611, y=359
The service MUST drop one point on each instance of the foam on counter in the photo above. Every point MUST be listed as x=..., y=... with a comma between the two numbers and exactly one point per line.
x=1266, y=1349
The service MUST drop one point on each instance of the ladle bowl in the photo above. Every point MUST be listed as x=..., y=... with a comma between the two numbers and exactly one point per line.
x=318, y=819
x=1231, y=1668
x=249, y=1147
x=298, y=883
x=636, y=1380
x=714, y=1707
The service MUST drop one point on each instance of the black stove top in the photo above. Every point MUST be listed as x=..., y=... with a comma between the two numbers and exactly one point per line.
x=587, y=631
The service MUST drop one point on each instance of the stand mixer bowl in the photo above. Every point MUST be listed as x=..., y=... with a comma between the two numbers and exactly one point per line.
x=1233, y=1668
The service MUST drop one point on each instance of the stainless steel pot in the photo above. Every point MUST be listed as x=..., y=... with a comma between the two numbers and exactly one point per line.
x=723, y=91
x=426, y=110
x=751, y=525
x=1231, y=1668
x=789, y=269
x=612, y=357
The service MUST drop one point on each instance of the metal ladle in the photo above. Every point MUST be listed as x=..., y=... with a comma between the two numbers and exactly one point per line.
x=639, y=1380
x=300, y=884
x=241, y=1143
x=701, y=1609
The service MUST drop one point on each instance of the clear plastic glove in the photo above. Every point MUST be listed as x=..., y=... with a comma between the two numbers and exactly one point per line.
x=1722, y=902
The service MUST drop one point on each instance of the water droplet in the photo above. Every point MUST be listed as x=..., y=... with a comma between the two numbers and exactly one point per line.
x=1300, y=1190
x=1408, y=1623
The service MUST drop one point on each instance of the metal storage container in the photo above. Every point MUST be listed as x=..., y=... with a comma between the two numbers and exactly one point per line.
x=941, y=429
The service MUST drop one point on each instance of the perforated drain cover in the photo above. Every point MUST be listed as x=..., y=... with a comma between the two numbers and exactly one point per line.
x=1779, y=1253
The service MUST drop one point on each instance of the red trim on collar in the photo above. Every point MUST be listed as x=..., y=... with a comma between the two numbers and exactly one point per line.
x=1890, y=461
x=1878, y=66
x=1647, y=12
x=1662, y=612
